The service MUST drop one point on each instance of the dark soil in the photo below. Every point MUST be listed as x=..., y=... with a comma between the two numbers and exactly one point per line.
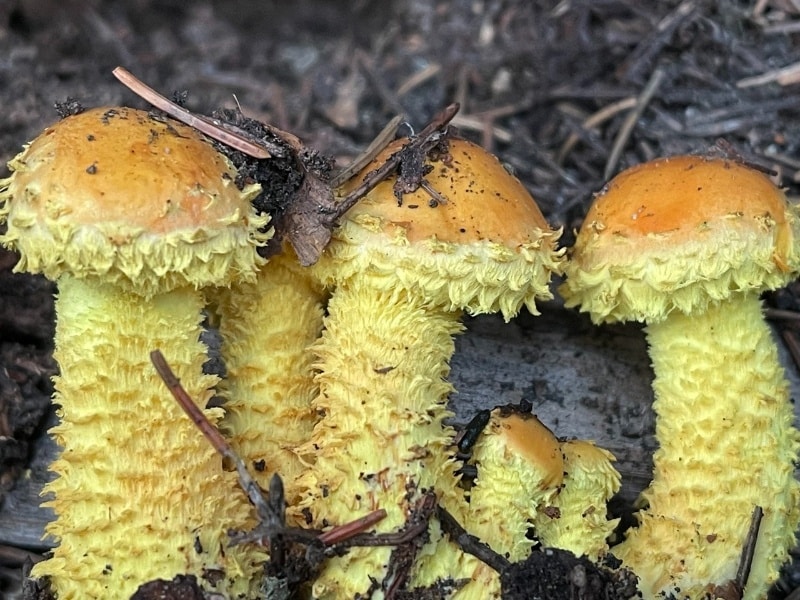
x=566, y=93
x=568, y=578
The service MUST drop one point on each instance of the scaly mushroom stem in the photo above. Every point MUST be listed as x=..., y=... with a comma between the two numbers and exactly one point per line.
x=267, y=327
x=139, y=493
x=727, y=445
x=576, y=518
x=383, y=359
x=390, y=263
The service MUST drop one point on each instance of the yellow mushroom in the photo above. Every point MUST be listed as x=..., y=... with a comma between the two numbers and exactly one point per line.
x=130, y=214
x=686, y=244
x=267, y=327
x=401, y=274
x=520, y=469
x=527, y=480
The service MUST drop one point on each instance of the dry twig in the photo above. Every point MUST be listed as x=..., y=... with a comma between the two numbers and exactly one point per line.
x=272, y=531
x=784, y=76
x=212, y=128
x=627, y=127
x=602, y=115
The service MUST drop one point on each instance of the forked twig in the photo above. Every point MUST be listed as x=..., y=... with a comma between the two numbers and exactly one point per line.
x=362, y=160
x=310, y=217
x=424, y=141
x=272, y=531
x=315, y=210
x=404, y=554
x=270, y=510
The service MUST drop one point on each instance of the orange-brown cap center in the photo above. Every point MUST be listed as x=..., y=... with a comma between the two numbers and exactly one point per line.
x=683, y=192
x=484, y=202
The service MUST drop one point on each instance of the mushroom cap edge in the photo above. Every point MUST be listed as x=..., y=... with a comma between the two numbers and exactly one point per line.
x=679, y=233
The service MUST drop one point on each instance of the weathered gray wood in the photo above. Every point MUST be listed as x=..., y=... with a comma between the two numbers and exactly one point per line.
x=584, y=381
x=22, y=519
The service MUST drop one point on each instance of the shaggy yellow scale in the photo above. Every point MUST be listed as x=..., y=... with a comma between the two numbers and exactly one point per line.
x=579, y=522
x=267, y=327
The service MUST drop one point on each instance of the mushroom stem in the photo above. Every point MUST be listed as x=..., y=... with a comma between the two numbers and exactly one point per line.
x=139, y=494
x=381, y=441
x=727, y=445
x=267, y=327
x=576, y=519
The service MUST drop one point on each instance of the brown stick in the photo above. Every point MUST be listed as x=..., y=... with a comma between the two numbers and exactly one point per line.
x=749, y=549
x=211, y=127
x=362, y=160
x=790, y=339
x=630, y=121
x=425, y=140
x=248, y=484
x=348, y=530
x=187, y=404
x=270, y=513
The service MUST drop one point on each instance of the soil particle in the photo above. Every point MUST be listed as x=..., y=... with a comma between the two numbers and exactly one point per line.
x=182, y=587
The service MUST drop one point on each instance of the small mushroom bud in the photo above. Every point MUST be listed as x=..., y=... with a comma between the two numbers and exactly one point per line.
x=576, y=517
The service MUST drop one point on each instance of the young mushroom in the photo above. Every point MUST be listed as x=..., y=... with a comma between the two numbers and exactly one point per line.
x=686, y=244
x=528, y=482
x=130, y=214
x=519, y=470
x=576, y=519
x=402, y=271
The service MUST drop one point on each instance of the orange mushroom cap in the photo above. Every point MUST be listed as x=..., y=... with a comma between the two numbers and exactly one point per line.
x=678, y=233
x=486, y=248
x=137, y=199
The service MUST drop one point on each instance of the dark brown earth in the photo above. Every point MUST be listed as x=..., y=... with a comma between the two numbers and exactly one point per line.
x=565, y=93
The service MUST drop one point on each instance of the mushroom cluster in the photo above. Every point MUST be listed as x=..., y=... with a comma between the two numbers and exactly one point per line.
x=139, y=221
x=131, y=214
x=530, y=488
x=686, y=244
